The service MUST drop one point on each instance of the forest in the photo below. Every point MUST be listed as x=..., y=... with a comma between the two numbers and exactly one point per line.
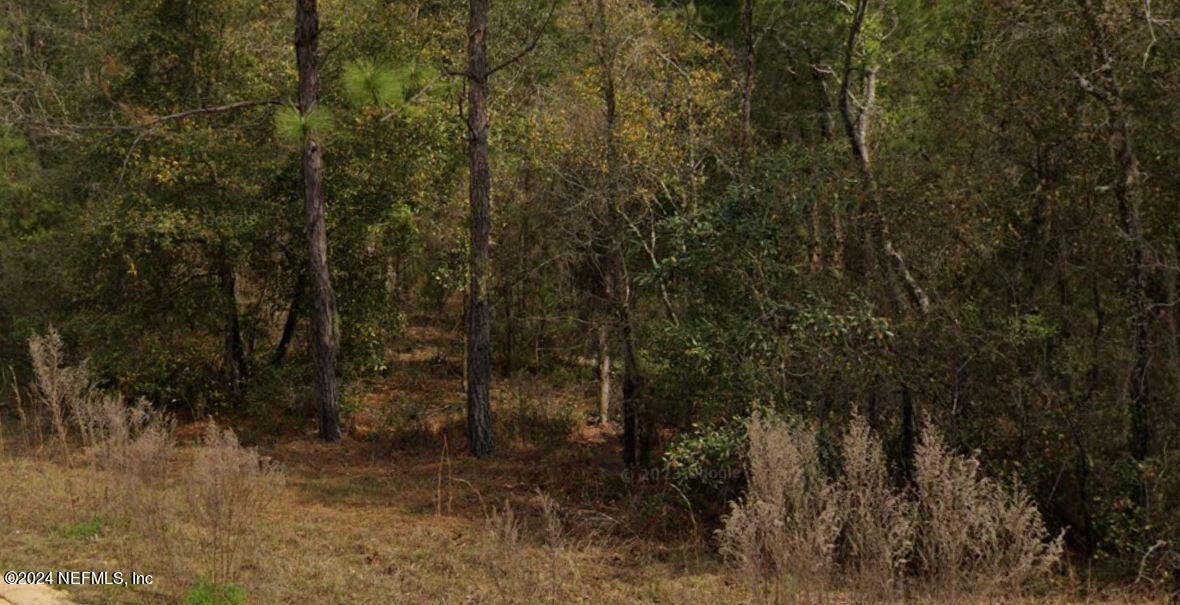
x=594, y=301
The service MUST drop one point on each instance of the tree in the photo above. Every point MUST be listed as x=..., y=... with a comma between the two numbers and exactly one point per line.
x=479, y=338
x=324, y=337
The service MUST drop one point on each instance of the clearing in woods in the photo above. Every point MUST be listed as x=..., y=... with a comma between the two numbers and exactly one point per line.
x=400, y=513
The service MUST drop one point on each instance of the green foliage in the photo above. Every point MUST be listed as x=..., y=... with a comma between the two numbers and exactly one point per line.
x=82, y=530
x=369, y=84
x=707, y=456
x=1030, y=328
x=205, y=592
x=292, y=127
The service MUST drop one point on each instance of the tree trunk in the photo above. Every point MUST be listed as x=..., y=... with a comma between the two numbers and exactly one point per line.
x=479, y=345
x=638, y=424
x=747, y=87
x=325, y=339
x=878, y=243
x=292, y=319
x=235, y=356
x=604, y=386
x=616, y=281
x=1127, y=199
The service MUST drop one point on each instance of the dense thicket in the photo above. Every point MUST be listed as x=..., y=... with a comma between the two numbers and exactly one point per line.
x=964, y=211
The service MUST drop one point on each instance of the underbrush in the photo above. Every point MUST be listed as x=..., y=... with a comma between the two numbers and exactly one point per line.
x=217, y=523
x=800, y=533
x=113, y=467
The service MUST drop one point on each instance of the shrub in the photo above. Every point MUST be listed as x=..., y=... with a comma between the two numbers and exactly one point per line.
x=709, y=459
x=227, y=488
x=796, y=527
x=878, y=521
x=975, y=535
x=56, y=386
x=134, y=442
x=786, y=528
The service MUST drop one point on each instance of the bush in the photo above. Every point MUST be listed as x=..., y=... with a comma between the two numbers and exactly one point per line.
x=56, y=386
x=706, y=465
x=786, y=528
x=878, y=520
x=975, y=535
x=227, y=487
x=796, y=527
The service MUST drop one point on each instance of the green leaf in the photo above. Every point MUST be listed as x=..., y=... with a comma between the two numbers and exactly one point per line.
x=292, y=127
x=369, y=85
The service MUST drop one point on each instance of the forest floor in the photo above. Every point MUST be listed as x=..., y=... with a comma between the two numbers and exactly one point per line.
x=398, y=513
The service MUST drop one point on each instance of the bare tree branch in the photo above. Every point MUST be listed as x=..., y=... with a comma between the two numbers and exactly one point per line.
x=532, y=45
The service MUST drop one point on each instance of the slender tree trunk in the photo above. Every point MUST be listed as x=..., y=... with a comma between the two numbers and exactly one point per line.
x=856, y=126
x=604, y=385
x=617, y=286
x=1127, y=194
x=748, y=58
x=325, y=339
x=879, y=246
x=827, y=123
x=235, y=356
x=292, y=320
x=479, y=345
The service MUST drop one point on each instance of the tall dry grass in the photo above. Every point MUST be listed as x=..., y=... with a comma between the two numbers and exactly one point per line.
x=783, y=535
x=956, y=533
x=56, y=386
x=879, y=521
x=976, y=535
x=226, y=490
x=188, y=521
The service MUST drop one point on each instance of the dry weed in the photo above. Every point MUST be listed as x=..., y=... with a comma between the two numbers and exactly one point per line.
x=971, y=536
x=783, y=536
x=878, y=521
x=975, y=535
x=56, y=386
x=226, y=490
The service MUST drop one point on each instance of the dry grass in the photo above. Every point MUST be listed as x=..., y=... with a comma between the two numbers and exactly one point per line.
x=56, y=386
x=879, y=521
x=226, y=491
x=972, y=537
x=783, y=535
x=351, y=527
x=976, y=536
x=356, y=523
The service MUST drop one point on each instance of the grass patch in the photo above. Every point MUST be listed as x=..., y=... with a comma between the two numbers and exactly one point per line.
x=82, y=530
x=205, y=592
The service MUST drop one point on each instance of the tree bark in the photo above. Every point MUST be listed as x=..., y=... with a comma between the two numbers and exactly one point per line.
x=479, y=345
x=1127, y=194
x=617, y=285
x=878, y=243
x=856, y=125
x=292, y=320
x=604, y=384
x=748, y=58
x=235, y=356
x=325, y=339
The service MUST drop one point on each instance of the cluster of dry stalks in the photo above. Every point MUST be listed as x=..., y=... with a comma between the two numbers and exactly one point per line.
x=224, y=490
x=518, y=575
x=954, y=533
x=196, y=527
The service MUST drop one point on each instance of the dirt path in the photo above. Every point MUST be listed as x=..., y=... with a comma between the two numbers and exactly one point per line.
x=32, y=594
